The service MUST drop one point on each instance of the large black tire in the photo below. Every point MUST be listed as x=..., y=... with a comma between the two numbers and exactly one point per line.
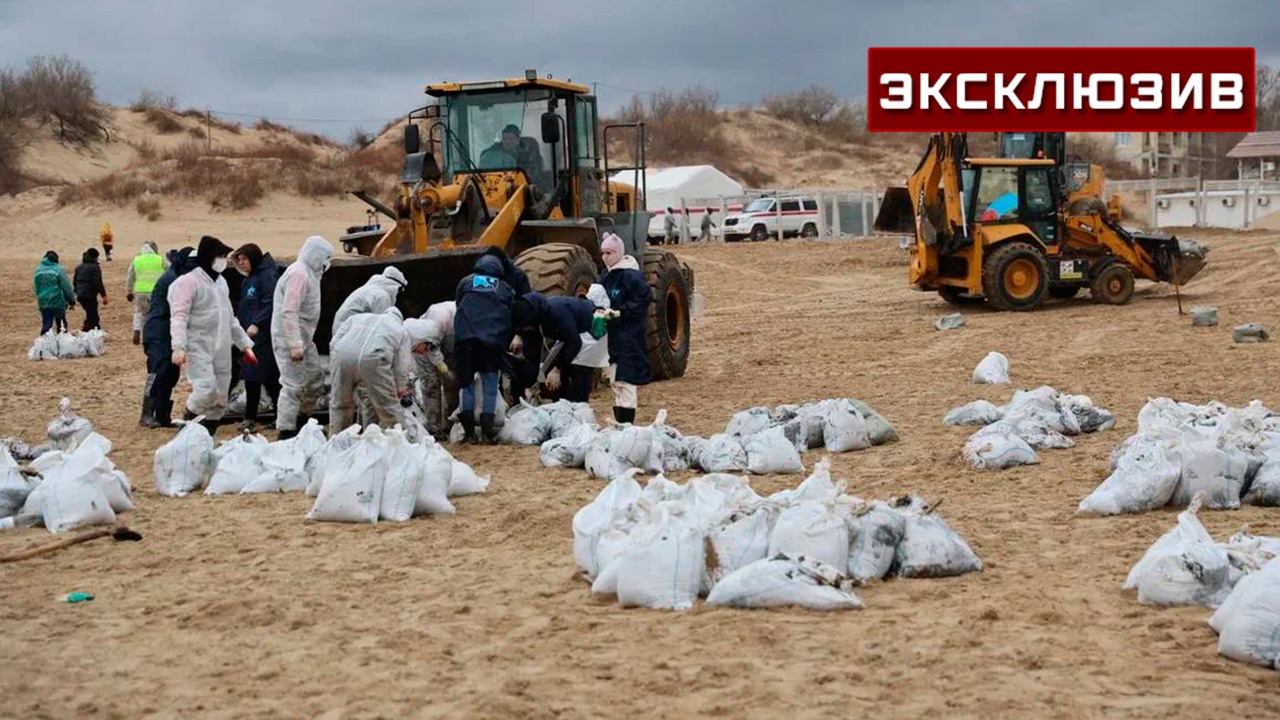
x=759, y=233
x=809, y=230
x=1114, y=285
x=1015, y=276
x=669, y=325
x=1063, y=292
x=955, y=296
x=559, y=269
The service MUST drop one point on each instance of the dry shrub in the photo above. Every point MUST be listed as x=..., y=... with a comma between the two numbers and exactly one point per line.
x=679, y=129
x=197, y=133
x=148, y=206
x=68, y=195
x=360, y=138
x=61, y=90
x=278, y=151
x=265, y=125
x=386, y=160
x=162, y=120
x=810, y=106
x=153, y=99
x=146, y=150
x=825, y=161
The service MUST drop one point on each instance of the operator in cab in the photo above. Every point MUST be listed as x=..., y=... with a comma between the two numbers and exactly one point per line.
x=524, y=150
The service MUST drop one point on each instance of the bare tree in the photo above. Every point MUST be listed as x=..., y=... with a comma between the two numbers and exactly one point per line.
x=812, y=105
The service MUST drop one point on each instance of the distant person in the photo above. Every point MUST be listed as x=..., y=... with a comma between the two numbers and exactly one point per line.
x=257, y=295
x=54, y=293
x=705, y=235
x=88, y=283
x=482, y=330
x=162, y=374
x=202, y=330
x=145, y=269
x=295, y=314
x=669, y=227
x=629, y=296
x=108, y=239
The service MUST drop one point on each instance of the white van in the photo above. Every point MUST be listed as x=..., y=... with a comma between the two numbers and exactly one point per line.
x=759, y=219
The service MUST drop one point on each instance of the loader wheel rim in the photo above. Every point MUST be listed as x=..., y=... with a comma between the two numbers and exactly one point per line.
x=1021, y=278
x=1115, y=285
x=673, y=309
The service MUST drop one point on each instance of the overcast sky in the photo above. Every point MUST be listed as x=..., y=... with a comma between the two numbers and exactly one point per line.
x=332, y=64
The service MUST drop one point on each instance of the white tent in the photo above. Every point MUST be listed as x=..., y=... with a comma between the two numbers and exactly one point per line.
x=695, y=184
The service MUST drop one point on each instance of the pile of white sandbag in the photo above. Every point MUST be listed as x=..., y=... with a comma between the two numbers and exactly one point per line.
x=68, y=346
x=70, y=485
x=1239, y=579
x=760, y=440
x=665, y=544
x=355, y=476
x=1179, y=449
x=1033, y=420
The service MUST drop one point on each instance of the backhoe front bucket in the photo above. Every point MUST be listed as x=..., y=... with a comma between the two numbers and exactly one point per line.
x=896, y=214
x=1176, y=261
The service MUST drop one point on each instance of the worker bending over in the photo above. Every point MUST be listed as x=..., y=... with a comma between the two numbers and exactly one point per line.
x=561, y=320
x=373, y=353
x=435, y=369
x=482, y=333
x=379, y=293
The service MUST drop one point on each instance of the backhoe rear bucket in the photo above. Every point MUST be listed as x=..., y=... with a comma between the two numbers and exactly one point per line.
x=896, y=214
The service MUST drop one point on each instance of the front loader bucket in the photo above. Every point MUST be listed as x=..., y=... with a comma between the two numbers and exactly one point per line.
x=433, y=277
x=1176, y=261
x=896, y=213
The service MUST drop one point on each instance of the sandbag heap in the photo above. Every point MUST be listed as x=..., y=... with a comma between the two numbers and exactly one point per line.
x=759, y=441
x=1231, y=454
x=68, y=346
x=1032, y=420
x=70, y=485
x=355, y=476
x=666, y=544
x=1239, y=578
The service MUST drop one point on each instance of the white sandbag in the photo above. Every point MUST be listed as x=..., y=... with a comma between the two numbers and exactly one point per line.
x=770, y=451
x=433, y=487
x=405, y=467
x=594, y=518
x=878, y=428
x=931, y=549
x=978, y=412
x=233, y=444
x=183, y=463
x=1183, y=567
x=89, y=461
x=284, y=463
x=722, y=453
x=784, y=581
x=1209, y=468
x=96, y=442
x=668, y=451
x=70, y=347
x=45, y=347
x=998, y=446
x=352, y=486
x=465, y=481
x=93, y=342
x=570, y=449
x=749, y=422
x=565, y=416
x=525, y=425
x=69, y=501
x=599, y=460
x=239, y=464
x=662, y=565
x=1144, y=478
x=325, y=456
x=844, y=429
x=118, y=490
x=739, y=543
x=1227, y=608
x=811, y=529
x=1265, y=488
x=992, y=370
x=1251, y=632
x=14, y=489
x=1088, y=416
x=48, y=461
x=68, y=430
x=633, y=447
x=818, y=487
x=875, y=542
x=612, y=544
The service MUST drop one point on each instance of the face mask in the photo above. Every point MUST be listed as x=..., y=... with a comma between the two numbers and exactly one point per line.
x=219, y=265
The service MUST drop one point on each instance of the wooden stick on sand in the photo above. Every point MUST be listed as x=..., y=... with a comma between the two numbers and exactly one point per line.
x=119, y=533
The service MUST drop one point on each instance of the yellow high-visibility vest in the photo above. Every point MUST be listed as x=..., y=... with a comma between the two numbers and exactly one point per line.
x=147, y=269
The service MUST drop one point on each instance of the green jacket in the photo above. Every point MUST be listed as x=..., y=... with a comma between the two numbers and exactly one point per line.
x=53, y=287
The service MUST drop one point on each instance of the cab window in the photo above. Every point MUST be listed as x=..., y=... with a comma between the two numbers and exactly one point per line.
x=997, y=194
x=1039, y=198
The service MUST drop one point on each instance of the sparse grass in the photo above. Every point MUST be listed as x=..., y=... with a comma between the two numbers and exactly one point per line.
x=154, y=100
x=265, y=125
x=162, y=120
x=197, y=133
x=148, y=207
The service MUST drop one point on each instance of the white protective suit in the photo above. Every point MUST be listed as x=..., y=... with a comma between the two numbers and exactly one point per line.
x=203, y=325
x=294, y=317
x=437, y=404
x=375, y=296
x=372, y=353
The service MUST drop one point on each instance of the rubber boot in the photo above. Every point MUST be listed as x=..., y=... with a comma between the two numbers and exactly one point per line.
x=468, y=427
x=148, y=419
x=137, y=337
x=287, y=434
x=624, y=416
x=164, y=413
x=486, y=428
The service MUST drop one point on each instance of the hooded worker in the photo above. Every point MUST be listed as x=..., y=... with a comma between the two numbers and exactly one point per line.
x=257, y=293
x=162, y=374
x=203, y=328
x=435, y=368
x=107, y=238
x=139, y=282
x=376, y=295
x=482, y=332
x=88, y=284
x=561, y=320
x=630, y=297
x=374, y=352
x=54, y=293
x=295, y=313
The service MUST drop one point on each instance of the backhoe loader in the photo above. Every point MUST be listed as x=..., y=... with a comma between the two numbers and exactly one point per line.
x=516, y=165
x=1008, y=232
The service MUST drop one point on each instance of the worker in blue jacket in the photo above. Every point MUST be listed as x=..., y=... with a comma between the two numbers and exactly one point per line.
x=482, y=332
x=630, y=296
x=558, y=319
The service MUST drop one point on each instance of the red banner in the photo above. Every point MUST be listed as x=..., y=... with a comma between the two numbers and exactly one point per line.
x=1061, y=89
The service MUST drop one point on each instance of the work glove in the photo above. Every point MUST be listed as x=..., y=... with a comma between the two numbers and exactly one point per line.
x=179, y=358
x=249, y=357
x=252, y=331
x=128, y=297
x=297, y=354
